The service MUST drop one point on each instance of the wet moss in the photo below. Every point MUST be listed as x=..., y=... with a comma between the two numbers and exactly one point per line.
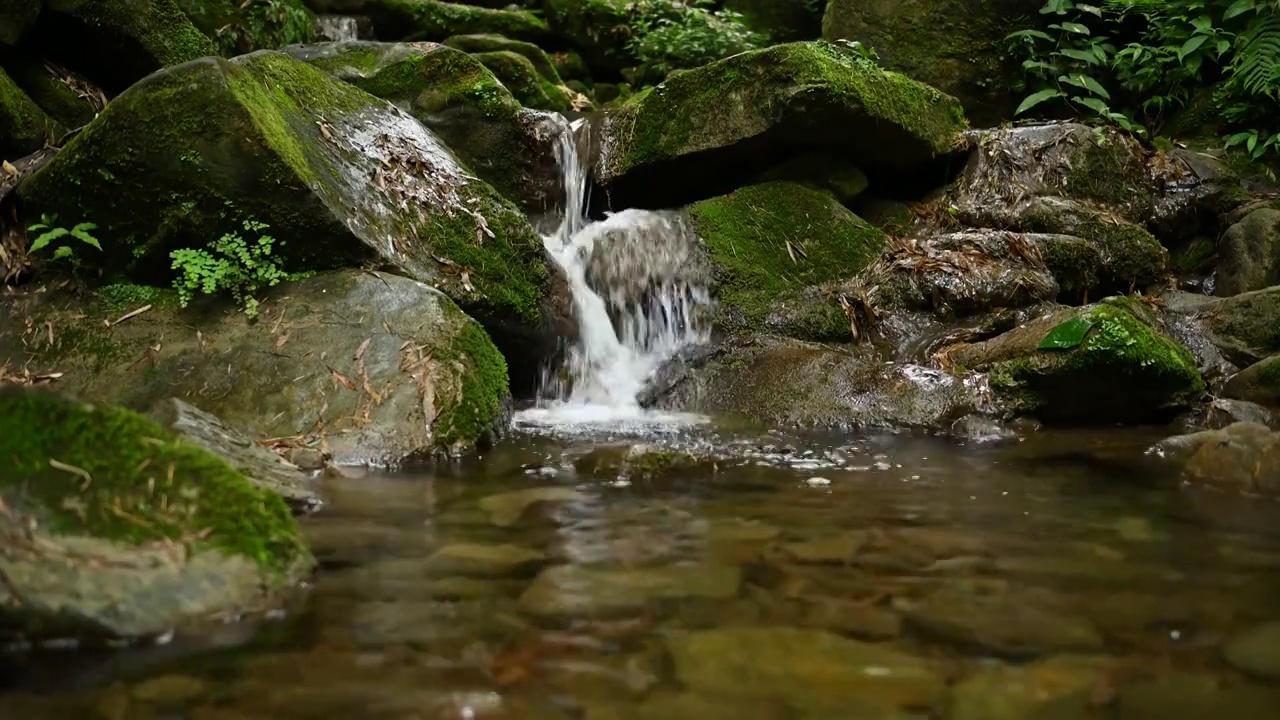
x=126, y=297
x=471, y=421
x=520, y=76
x=433, y=20
x=769, y=241
x=143, y=484
x=55, y=97
x=159, y=26
x=1107, y=170
x=744, y=95
x=542, y=63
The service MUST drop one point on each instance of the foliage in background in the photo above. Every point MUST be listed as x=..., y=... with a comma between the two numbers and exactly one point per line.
x=671, y=35
x=236, y=266
x=50, y=233
x=1141, y=63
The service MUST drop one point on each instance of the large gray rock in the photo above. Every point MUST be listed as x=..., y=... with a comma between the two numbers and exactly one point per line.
x=1259, y=383
x=573, y=591
x=1249, y=254
x=1240, y=457
x=378, y=368
x=1245, y=328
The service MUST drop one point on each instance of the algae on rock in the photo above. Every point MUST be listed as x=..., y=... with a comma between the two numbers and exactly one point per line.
x=339, y=176
x=542, y=62
x=522, y=78
x=136, y=530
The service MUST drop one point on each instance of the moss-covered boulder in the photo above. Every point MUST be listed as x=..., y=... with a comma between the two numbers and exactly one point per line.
x=569, y=65
x=111, y=526
x=339, y=176
x=1249, y=254
x=781, y=20
x=955, y=45
x=460, y=100
x=768, y=243
x=238, y=27
x=1259, y=383
x=1097, y=364
x=16, y=17
x=542, y=62
x=372, y=366
x=117, y=42
x=520, y=76
x=67, y=97
x=24, y=127
x=700, y=131
x=434, y=20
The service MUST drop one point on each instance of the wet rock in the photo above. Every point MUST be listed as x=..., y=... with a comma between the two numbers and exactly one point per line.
x=261, y=466
x=851, y=619
x=1102, y=363
x=1245, y=327
x=507, y=509
x=698, y=132
x=809, y=669
x=390, y=368
x=435, y=20
x=339, y=177
x=1256, y=651
x=1059, y=688
x=1184, y=696
x=110, y=526
x=1259, y=383
x=337, y=28
x=543, y=65
x=24, y=127
x=115, y=43
x=688, y=706
x=1218, y=413
x=1249, y=254
x=524, y=81
x=1242, y=456
x=576, y=591
x=169, y=690
x=767, y=243
x=237, y=27
x=780, y=381
x=1005, y=625
x=68, y=98
x=484, y=560
x=460, y=100
x=957, y=46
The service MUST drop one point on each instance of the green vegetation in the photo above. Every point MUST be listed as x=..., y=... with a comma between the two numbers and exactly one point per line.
x=49, y=233
x=667, y=35
x=241, y=26
x=472, y=418
x=520, y=76
x=236, y=266
x=1146, y=64
x=110, y=473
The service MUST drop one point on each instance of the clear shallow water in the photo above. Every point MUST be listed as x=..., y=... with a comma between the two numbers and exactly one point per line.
x=817, y=577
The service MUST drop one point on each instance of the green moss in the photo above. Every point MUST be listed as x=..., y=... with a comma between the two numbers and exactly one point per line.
x=126, y=297
x=1196, y=257
x=433, y=20
x=237, y=27
x=144, y=485
x=745, y=95
x=1122, y=371
x=1107, y=257
x=1269, y=373
x=1105, y=171
x=484, y=389
x=522, y=79
x=24, y=127
x=542, y=62
x=45, y=85
x=747, y=234
x=159, y=26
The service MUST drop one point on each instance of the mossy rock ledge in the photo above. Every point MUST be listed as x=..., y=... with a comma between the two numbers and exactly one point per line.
x=701, y=131
x=112, y=527
x=1102, y=363
x=434, y=20
x=380, y=368
x=340, y=177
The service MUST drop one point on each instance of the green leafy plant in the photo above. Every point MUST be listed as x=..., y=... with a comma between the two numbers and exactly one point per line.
x=49, y=233
x=237, y=266
x=669, y=35
x=1136, y=63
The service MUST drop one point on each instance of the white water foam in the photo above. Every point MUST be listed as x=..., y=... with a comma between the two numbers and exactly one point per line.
x=637, y=302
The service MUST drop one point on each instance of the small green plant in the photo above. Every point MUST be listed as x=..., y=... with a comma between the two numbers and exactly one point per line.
x=667, y=35
x=236, y=266
x=50, y=233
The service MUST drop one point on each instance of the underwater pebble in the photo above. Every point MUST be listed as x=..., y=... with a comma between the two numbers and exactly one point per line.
x=818, y=482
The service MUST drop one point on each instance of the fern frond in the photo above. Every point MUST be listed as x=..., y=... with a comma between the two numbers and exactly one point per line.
x=1257, y=66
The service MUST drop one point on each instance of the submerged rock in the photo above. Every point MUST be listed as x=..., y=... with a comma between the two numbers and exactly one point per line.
x=1242, y=457
x=111, y=526
x=506, y=509
x=379, y=367
x=473, y=560
x=460, y=100
x=1008, y=626
x=568, y=591
x=768, y=242
x=1097, y=364
x=1060, y=688
x=1249, y=254
x=698, y=132
x=809, y=669
x=1256, y=651
x=338, y=176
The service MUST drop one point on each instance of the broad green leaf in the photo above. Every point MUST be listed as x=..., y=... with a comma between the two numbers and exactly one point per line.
x=1203, y=24
x=1038, y=65
x=63, y=251
x=1036, y=98
x=1238, y=138
x=1029, y=33
x=1081, y=55
x=1190, y=46
x=1093, y=104
x=1067, y=334
x=1075, y=28
x=1222, y=47
x=1086, y=82
x=1239, y=7
x=38, y=226
x=1092, y=10
x=85, y=237
x=44, y=240
x=1253, y=140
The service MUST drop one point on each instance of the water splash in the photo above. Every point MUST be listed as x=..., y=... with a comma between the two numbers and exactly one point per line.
x=640, y=293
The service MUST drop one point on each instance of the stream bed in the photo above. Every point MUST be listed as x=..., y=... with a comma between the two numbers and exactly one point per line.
x=705, y=574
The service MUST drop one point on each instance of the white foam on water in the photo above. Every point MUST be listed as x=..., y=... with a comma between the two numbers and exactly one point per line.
x=644, y=308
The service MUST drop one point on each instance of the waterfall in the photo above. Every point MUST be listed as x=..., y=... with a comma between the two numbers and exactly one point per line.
x=640, y=288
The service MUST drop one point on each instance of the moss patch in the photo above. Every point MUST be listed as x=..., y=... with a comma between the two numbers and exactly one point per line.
x=522, y=79
x=542, y=62
x=747, y=234
x=24, y=128
x=471, y=420
x=144, y=483
x=433, y=20
x=159, y=26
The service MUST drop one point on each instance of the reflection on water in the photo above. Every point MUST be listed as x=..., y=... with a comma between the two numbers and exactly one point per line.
x=710, y=577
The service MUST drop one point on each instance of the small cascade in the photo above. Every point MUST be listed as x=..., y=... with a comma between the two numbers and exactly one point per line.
x=640, y=290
